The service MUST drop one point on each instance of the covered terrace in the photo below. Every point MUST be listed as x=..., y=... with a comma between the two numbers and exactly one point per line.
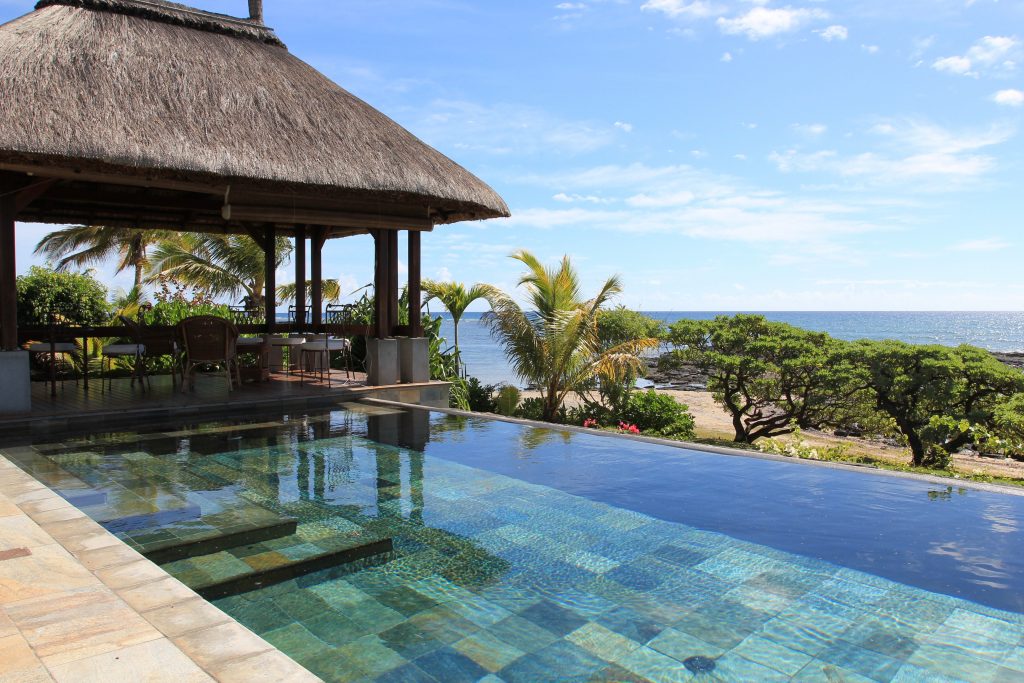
x=147, y=114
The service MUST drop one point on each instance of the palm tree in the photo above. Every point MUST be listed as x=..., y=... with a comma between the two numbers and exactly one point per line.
x=555, y=344
x=456, y=299
x=83, y=245
x=221, y=265
x=331, y=291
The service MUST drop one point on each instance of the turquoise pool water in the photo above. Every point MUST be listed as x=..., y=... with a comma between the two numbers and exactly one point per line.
x=381, y=545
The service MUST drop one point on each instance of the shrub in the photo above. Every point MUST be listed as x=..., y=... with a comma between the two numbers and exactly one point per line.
x=508, y=400
x=74, y=298
x=658, y=414
x=531, y=409
x=480, y=396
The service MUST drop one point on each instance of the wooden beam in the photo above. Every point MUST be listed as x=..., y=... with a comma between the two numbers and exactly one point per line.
x=415, y=286
x=31, y=193
x=316, y=274
x=270, y=277
x=284, y=214
x=300, y=276
x=258, y=236
x=381, y=325
x=393, y=290
x=8, y=275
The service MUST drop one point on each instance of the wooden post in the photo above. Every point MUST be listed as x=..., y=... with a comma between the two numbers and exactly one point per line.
x=270, y=277
x=415, y=286
x=393, y=291
x=8, y=276
x=382, y=329
x=300, y=278
x=317, y=240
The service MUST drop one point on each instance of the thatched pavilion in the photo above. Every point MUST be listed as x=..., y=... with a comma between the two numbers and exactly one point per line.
x=150, y=114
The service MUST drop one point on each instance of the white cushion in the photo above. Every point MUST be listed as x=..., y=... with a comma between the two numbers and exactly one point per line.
x=329, y=345
x=124, y=349
x=60, y=347
x=287, y=341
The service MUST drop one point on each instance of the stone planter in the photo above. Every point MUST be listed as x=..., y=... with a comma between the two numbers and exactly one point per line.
x=381, y=362
x=16, y=397
x=414, y=359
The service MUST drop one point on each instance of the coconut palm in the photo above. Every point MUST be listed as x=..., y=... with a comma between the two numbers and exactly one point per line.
x=456, y=299
x=554, y=345
x=331, y=291
x=221, y=265
x=82, y=245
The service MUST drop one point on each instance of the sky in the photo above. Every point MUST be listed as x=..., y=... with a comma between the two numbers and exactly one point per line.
x=716, y=154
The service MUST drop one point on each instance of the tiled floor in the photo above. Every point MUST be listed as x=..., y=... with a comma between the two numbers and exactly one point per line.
x=495, y=579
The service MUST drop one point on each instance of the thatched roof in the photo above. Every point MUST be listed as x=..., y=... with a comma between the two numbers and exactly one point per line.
x=155, y=90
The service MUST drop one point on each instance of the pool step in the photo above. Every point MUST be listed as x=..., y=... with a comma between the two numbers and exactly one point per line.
x=115, y=522
x=215, y=541
x=312, y=548
x=375, y=552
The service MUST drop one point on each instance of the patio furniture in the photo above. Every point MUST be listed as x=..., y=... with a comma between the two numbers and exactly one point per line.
x=316, y=356
x=289, y=343
x=54, y=353
x=134, y=351
x=161, y=342
x=209, y=340
x=291, y=315
x=260, y=348
x=339, y=314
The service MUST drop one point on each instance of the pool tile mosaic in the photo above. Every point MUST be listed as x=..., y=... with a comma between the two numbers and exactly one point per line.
x=496, y=580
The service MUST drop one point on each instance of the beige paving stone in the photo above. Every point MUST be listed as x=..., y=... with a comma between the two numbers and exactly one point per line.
x=31, y=492
x=130, y=575
x=182, y=617
x=60, y=514
x=47, y=571
x=34, y=507
x=18, y=662
x=212, y=648
x=269, y=667
x=7, y=627
x=101, y=550
x=156, y=594
x=18, y=531
x=8, y=508
x=66, y=628
x=72, y=528
x=156, y=661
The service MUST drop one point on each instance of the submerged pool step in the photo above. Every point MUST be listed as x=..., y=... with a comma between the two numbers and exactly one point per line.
x=216, y=541
x=356, y=557
x=313, y=547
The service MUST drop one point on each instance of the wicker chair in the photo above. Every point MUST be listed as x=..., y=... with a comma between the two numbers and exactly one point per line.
x=209, y=340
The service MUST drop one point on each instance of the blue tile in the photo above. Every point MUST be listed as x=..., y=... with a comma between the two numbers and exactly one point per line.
x=450, y=666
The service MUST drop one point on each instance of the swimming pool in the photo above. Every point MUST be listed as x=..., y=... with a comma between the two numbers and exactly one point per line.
x=375, y=543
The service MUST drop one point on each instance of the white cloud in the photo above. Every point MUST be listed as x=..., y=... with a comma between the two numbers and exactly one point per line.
x=764, y=22
x=727, y=57
x=921, y=155
x=1009, y=98
x=695, y=9
x=991, y=54
x=987, y=244
x=623, y=126
x=508, y=129
x=870, y=49
x=834, y=32
x=812, y=130
x=574, y=198
x=682, y=200
x=568, y=6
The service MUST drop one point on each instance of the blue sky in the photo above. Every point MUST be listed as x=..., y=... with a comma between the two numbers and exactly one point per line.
x=717, y=154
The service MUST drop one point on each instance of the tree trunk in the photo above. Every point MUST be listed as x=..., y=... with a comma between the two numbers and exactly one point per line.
x=916, y=446
x=138, y=276
x=458, y=359
x=741, y=432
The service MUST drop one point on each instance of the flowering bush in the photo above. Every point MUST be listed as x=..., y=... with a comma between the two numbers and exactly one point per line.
x=590, y=423
x=626, y=428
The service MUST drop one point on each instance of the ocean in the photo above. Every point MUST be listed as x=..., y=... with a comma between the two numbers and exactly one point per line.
x=995, y=331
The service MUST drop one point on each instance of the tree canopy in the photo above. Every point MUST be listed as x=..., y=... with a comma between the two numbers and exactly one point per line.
x=72, y=298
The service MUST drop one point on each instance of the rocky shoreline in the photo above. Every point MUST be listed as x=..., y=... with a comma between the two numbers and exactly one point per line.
x=689, y=378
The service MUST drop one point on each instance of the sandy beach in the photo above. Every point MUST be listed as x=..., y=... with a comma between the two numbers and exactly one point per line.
x=713, y=423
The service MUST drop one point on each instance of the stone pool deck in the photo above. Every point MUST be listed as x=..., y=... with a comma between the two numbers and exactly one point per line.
x=78, y=605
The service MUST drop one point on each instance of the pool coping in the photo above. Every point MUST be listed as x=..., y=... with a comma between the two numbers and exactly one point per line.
x=78, y=604
x=719, y=450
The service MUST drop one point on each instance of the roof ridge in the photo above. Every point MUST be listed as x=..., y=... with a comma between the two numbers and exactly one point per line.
x=178, y=14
